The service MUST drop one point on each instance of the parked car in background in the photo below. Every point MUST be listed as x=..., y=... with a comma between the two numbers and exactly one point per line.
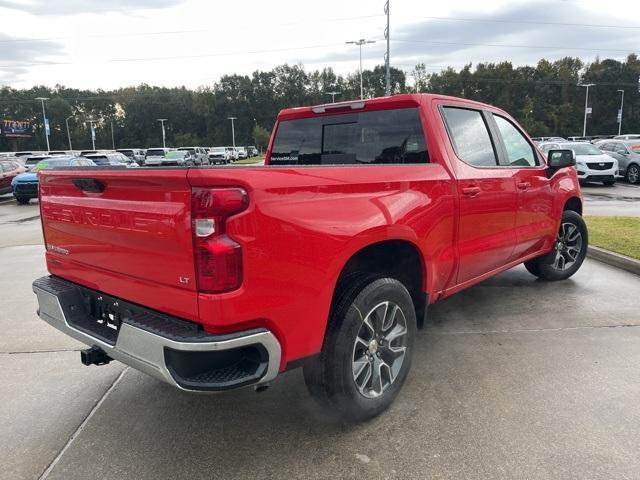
x=176, y=158
x=28, y=153
x=233, y=153
x=198, y=153
x=135, y=154
x=628, y=136
x=548, y=139
x=33, y=160
x=115, y=158
x=9, y=169
x=592, y=164
x=61, y=152
x=627, y=153
x=242, y=153
x=252, y=151
x=25, y=185
x=219, y=155
x=155, y=155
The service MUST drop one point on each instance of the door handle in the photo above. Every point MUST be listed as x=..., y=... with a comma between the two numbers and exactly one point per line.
x=471, y=191
x=523, y=185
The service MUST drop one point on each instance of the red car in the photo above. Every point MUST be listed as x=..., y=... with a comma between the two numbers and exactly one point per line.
x=9, y=169
x=327, y=258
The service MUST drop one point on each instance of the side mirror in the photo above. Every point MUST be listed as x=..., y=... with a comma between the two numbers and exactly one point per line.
x=621, y=152
x=557, y=159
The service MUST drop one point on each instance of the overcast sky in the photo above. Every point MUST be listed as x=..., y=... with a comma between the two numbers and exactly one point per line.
x=112, y=43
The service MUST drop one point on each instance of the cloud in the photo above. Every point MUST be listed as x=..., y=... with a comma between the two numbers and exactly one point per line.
x=522, y=33
x=16, y=53
x=71, y=7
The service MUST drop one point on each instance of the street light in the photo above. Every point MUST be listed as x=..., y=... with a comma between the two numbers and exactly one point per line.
x=233, y=132
x=586, y=102
x=360, y=42
x=162, y=120
x=46, y=122
x=66, y=121
x=93, y=133
x=333, y=95
x=620, y=113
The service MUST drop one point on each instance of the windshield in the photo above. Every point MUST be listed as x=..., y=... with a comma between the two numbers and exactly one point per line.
x=635, y=148
x=52, y=163
x=176, y=154
x=100, y=160
x=582, y=148
x=218, y=150
x=187, y=149
x=155, y=153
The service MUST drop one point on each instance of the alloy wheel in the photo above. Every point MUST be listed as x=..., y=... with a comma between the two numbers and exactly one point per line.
x=379, y=349
x=568, y=247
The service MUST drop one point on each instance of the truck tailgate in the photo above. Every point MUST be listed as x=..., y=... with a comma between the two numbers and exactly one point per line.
x=124, y=232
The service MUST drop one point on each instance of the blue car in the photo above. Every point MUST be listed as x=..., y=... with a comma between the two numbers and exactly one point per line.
x=25, y=185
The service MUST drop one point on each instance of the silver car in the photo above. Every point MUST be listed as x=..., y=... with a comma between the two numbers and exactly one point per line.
x=627, y=153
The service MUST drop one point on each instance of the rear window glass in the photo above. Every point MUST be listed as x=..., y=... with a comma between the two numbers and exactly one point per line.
x=155, y=153
x=379, y=137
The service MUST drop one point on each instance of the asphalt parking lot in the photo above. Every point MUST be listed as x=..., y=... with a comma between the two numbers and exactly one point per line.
x=514, y=378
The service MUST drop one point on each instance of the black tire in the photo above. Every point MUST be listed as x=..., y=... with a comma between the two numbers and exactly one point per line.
x=22, y=200
x=550, y=267
x=633, y=174
x=608, y=183
x=330, y=376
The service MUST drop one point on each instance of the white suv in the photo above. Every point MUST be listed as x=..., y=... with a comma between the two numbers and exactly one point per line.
x=592, y=164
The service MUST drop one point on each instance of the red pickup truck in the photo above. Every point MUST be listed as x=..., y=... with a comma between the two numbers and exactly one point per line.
x=326, y=258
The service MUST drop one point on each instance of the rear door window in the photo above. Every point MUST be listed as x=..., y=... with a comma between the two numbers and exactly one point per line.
x=378, y=137
x=470, y=136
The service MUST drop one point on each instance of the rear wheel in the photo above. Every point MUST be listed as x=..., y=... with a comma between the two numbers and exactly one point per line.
x=569, y=251
x=633, y=174
x=367, y=351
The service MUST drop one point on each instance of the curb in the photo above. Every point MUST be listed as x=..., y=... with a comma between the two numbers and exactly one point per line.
x=614, y=259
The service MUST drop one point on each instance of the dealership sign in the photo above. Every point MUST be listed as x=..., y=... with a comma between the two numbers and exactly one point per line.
x=16, y=128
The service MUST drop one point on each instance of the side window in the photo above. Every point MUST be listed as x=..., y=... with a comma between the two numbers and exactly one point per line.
x=519, y=151
x=470, y=136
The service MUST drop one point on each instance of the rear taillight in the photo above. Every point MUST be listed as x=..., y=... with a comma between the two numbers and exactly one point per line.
x=218, y=258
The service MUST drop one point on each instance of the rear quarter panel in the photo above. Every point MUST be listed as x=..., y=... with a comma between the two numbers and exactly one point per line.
x=303, y=225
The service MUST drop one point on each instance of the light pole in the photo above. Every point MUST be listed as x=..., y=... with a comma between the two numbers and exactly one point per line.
x=66, y=121
x=45, y=121
x=233, y=131
x=93, y=133
x=620, y=113
x=586, y=102
x=360, y=42
x=333, y=95
x=162, y=120
x=113, y=143
x=387, y=66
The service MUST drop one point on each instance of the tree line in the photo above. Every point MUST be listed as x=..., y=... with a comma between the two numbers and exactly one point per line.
x=544, y=98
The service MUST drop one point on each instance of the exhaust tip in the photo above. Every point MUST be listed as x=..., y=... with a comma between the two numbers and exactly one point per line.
x=94, y=356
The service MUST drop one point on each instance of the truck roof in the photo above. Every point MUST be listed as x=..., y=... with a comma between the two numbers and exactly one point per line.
x=378, y=103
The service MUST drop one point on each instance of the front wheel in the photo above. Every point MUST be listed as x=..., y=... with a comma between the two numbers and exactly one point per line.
x=633, y=174
x=22, y=200
x=367, y=350
x=569, y=250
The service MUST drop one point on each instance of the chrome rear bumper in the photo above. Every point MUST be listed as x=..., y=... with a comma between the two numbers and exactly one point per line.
x=156, y=344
